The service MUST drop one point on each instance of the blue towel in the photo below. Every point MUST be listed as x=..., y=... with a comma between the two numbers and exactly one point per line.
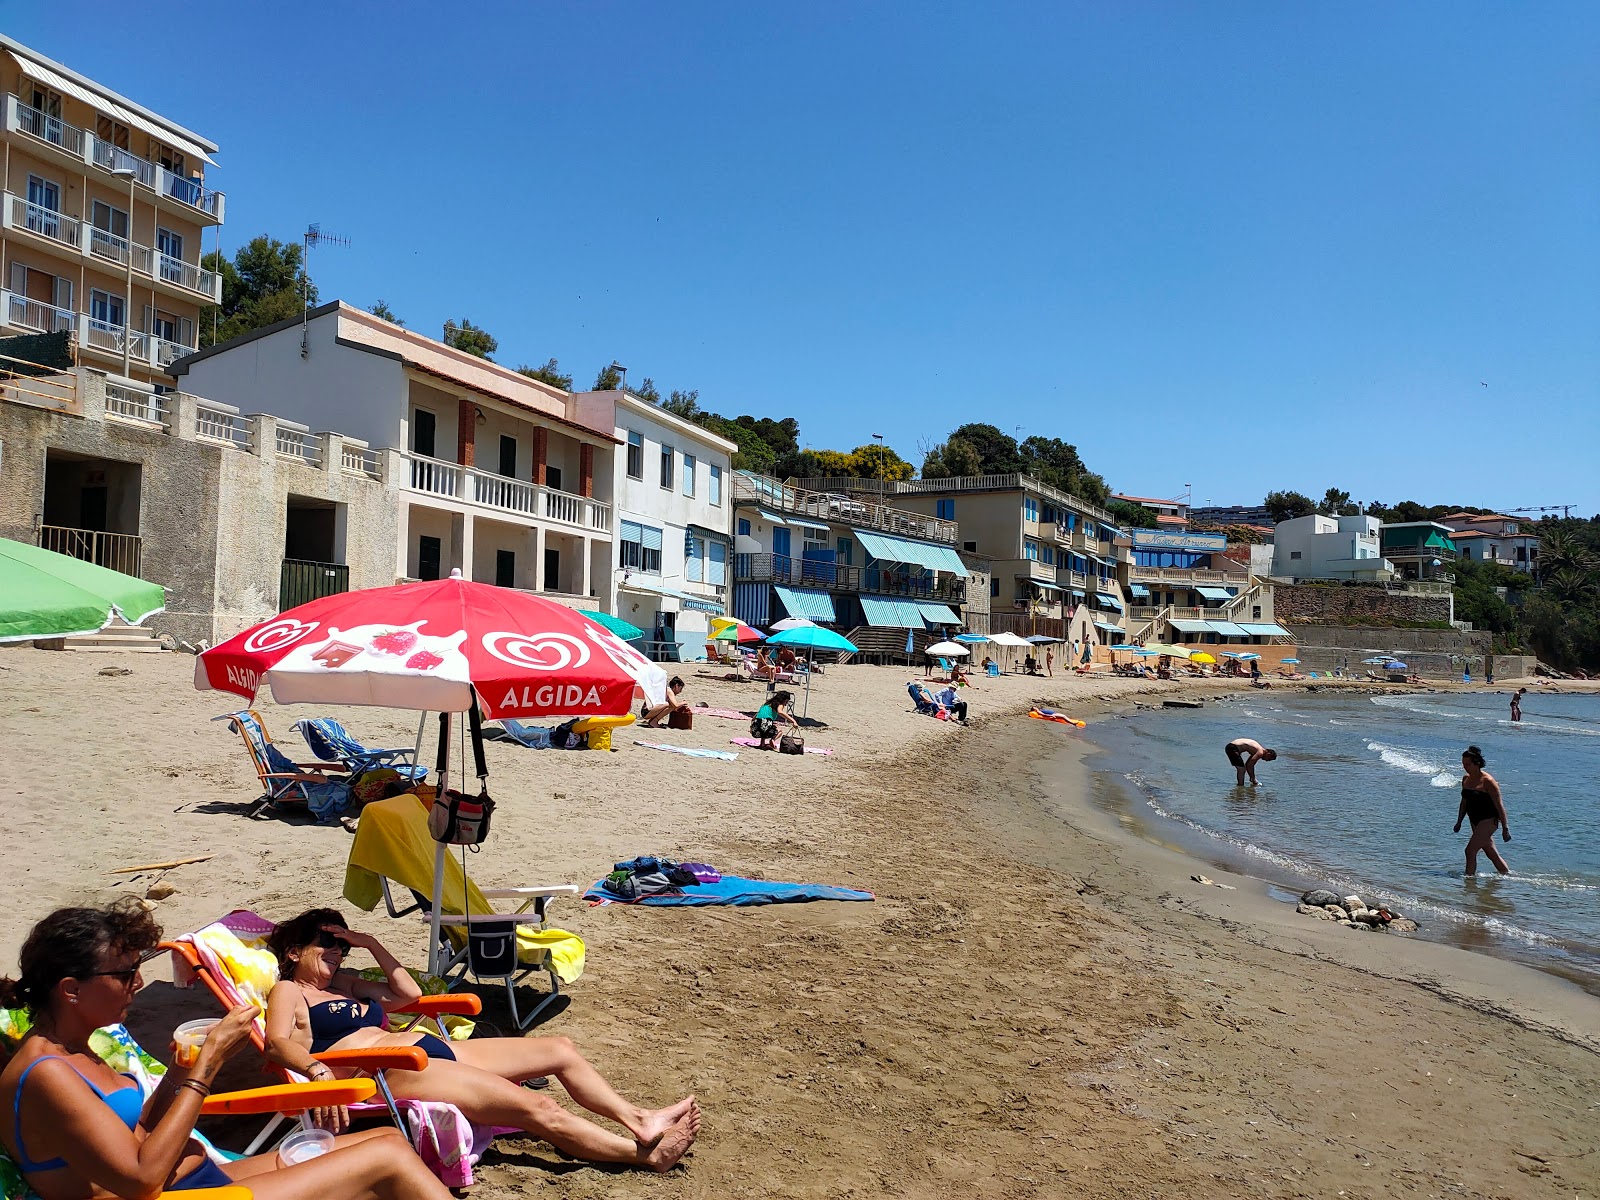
x=734, y=890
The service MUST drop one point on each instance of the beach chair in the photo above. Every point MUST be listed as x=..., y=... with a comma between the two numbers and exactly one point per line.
x=318, y=787
x=118, y=1049
x=529, y=737
x=993, y=669
x=216, y=963
x=393, y=847
x=330, y=741
x=923, y=699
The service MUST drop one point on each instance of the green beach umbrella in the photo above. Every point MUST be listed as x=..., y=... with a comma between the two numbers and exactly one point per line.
x=615, y=624
x=48, y=595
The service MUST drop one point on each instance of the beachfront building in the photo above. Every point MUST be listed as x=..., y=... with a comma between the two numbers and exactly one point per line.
x=1420, y=550
x=1169, y=514
x=1319, y=547
x=237, y=516
x=856, y=565
x=104, y=209
x=1058, y=563
x=674, y=523
x=1186, y=588
x=502, y=477
x=1496, y=538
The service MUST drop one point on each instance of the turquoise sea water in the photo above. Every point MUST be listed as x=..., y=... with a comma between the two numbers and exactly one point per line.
x=1363, y=798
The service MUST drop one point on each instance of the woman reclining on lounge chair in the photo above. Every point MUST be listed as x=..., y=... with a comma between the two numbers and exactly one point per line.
x=318, y=1006
x=81, y=1130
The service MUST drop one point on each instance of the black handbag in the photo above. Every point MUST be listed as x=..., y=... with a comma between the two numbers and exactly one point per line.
x=458, y=819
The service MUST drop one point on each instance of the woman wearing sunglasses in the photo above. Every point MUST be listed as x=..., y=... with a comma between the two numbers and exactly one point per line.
x=319, y=1005
x=77, y=1129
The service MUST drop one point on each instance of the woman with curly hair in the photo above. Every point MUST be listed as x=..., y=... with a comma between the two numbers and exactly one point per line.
x=319, y=1005
x=77, y=1129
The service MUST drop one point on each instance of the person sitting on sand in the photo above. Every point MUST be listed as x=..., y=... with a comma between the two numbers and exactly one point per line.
x=951, y=703
x=1483, y=806
x=320, y=1005
x=661, y=712
x=1243, y=755
x=80, y=1130
x=958, y=677
x=765, y=723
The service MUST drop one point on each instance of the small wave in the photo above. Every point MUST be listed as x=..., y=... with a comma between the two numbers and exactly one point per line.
x=1413, y=764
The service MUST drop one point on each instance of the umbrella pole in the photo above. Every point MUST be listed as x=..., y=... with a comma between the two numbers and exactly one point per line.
x=805, y=709
x=434, y=956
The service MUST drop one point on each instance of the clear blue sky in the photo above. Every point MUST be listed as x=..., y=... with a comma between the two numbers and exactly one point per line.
x=1238, y=245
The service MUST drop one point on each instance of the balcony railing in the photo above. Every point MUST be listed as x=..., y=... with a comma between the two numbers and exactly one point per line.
x=857, y=510
x=221, y=423
x=31, y=314
x=153, y=263
x=359, y=460
x=103, y=335
x=37, y=123
x=46, y=222
x=1181, y=576
x=118, y=551
x=114, y=158
x=787, y=570
x=960, y=483
x=456, y=482
x=298, y=443
x=133, y=404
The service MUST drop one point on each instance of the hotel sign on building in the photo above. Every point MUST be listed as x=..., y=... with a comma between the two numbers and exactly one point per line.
x=1199, y=543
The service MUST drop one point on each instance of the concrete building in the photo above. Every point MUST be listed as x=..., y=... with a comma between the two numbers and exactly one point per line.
x=1494, y=537
x=104, y=208
x=840, y=561
x=236, y=516
x=503, y=477
x=1170, y=514
x=1420, y=550
x=1185, y=588
x=674, y=522
x=1319, y=547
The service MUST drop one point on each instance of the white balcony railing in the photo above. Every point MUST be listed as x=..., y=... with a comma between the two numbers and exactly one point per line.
x=359, y=460
x=40, y=124
x=456, y=482
x=114, y=158
x=31, y=314
x=299, y=443
x=103, y=335
x=134, y=404
x=221, y=423
x=45, y=222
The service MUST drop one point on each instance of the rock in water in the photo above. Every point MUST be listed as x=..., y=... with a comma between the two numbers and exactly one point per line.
x=1353, y=902
x=1403, y=925
x=1311, y=910
x=1321, y=897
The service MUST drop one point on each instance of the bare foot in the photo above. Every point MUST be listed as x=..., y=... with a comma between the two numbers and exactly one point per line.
x=656, y=1122
x=675, y=1142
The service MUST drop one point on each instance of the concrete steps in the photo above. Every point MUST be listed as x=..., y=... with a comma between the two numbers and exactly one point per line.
x=117, y=636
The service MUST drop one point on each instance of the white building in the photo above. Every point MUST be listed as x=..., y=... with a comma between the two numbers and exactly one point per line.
x=674, y=520
x=1319, y=547
x=1495, y=537
x=493, y=473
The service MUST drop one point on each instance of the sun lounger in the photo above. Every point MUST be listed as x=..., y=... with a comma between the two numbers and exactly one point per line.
x=530, y=737
x=322, y=789
x=392, y=846
x=332, y=742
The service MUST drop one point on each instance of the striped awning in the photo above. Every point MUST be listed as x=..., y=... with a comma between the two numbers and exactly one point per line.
x=903, y=550
x=1226, y=629
x=696, y=604
x=772, y=518
x=900, y=614
x=1187, y=626
x=937, y=614
x=1215, y=593
x=1139, y=590
x=1108, y=627
x=1108, y=601
x=808, y=603
x=1263, y=629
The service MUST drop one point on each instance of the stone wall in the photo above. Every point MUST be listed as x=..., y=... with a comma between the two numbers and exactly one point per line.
x=1431, y=653
x=1338, y=605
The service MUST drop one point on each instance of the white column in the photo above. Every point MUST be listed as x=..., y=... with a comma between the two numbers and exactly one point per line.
x=464, y=545
x=534, y=575
x=584, y=565
x=402, y=541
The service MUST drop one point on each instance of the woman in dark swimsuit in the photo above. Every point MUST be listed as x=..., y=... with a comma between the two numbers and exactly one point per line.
x=77, y=1129
x=1483, y=809
x=319, y=1006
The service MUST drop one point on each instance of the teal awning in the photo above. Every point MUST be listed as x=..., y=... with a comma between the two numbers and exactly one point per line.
x=1215, y=593
x=1186, y=626
x=808, y=603
x=772, y=518
x=901, y=614
x=937, y=614
x=696, y=604
x=1107, y=601
x=1139, y=590
x=903, y=550
x=1108, y=627
x=1263, y=629
x=1226, y=629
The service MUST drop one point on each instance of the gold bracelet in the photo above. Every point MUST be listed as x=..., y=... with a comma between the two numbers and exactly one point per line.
x=196, y=1086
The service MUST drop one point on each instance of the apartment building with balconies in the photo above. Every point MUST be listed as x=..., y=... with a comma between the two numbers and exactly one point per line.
x=500, y=476
x=103, y=208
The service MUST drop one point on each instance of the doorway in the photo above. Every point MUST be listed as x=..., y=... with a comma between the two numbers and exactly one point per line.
x=552, y=569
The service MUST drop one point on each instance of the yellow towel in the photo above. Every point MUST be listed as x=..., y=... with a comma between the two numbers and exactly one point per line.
x=254, y=972
x=392, y=841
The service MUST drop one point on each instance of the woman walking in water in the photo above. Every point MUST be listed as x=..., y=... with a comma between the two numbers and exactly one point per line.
x=1482, y=806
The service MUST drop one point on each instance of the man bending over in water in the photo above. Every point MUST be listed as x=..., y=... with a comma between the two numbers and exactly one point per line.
x=1244, y=754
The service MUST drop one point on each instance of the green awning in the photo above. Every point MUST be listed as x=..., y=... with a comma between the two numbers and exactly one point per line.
x=1226, y=629
x=1107, y=601
x=900, y=614
x=903, y=550
x=937, y=614
x=809, y=603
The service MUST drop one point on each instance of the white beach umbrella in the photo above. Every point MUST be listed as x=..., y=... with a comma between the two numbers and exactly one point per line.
x=791, y=623
x=947, y=649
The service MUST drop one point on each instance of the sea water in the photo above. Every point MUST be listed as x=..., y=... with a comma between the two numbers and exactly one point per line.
x=1363, y=798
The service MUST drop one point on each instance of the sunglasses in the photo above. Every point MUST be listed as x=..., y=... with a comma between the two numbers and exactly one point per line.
x=126, y=975
x=329, y=942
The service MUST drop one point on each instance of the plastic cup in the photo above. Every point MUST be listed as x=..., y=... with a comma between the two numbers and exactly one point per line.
x=303, y=1145
x=187, y=1039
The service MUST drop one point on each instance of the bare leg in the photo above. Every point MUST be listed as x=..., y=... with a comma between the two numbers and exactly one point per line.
x=655, y=714
x=517, y=1059
x=488, y=1099
x=378, y=1165
x=1483, y=839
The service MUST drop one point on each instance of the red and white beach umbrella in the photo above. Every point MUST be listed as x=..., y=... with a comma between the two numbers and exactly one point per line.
x=429, y=646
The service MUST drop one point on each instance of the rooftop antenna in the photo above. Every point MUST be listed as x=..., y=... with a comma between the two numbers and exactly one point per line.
x=313, y=236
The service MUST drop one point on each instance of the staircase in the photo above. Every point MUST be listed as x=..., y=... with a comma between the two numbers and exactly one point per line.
x=118, y=635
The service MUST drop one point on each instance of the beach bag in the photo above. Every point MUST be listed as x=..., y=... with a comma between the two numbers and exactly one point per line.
x=680, y=718
x=456, y=818
x=791, y=743
x=563, y=737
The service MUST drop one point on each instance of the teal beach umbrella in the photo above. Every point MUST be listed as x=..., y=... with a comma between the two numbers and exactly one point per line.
x=615, y=624
x=812, y=637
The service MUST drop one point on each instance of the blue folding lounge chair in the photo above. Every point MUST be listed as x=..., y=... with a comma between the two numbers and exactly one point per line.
x=323, y=789
x=920, y=697
x=332, y=742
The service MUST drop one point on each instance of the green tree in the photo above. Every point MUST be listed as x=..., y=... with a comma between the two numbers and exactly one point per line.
x=1285, y=506
x=265, y=282
x=998, y=453
x=951, y=459
x=609, y=379
x=683, y=404
x=1337, y=504
x=470, y=339
x=549, y=373
x=1056, y=462
x=647, y=390
x=1131, y=516
x=382, y=310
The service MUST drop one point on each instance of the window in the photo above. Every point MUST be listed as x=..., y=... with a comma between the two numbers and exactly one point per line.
x=1255, y=612
x=693, y=567
x=422, y=431
x=1030, y=509
x=743, y=527
x=717, y=563
x=44, y=207
x=667, y=459
x=1522, y=554
x=1294, y=554
x=970, y=547
x=106, y=309
x=505, y=568
x=945, y=510
x=641, y=547
x=169, y=246
x=508, y=459
x=1030, y=551
x=688, y=474
x=1047, y=555
x=994, y=587
x=714, y=490
x=108, y=219
x=635, y=455
x=846, y=551
x=552, y=477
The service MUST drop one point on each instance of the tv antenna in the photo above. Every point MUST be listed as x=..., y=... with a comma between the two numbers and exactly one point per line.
x=313, y=236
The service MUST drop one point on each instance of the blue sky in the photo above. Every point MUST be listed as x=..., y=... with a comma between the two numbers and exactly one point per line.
x=1239, y=245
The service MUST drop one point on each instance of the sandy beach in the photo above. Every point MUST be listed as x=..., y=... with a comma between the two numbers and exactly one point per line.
x=1040, y=1002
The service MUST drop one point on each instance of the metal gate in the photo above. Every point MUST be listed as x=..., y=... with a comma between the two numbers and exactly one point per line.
x=303, y=580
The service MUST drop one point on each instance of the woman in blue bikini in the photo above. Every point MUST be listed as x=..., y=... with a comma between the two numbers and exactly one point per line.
x=318, y=1005
x=77, y=1129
